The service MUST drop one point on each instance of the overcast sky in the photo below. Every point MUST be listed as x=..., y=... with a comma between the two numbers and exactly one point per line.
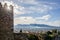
x=36, y=11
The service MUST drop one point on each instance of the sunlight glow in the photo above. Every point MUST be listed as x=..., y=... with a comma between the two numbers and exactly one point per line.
x=8, y=8
x=8, y=4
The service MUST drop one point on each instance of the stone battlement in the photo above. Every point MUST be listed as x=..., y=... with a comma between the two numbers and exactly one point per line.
x=5, y=6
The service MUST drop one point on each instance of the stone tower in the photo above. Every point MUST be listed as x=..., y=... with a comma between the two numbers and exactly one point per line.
x=6, y=22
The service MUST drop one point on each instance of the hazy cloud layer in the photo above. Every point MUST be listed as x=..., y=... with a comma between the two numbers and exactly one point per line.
x=34, y=6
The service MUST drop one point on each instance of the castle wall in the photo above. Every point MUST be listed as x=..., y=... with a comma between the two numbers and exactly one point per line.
x=6, y=22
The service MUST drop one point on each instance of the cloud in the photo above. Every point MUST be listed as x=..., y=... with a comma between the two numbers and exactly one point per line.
x=38, y=20
x=29, y=20
x=18, y=10
x=24, y=20
x=46, y=17
x=38, y=8
x=52, y=23
x=0, y=0
x=28, y=1
x=34, y=6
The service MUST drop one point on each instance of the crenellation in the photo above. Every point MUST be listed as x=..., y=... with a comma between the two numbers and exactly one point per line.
x=0, y=5
x=5, y=6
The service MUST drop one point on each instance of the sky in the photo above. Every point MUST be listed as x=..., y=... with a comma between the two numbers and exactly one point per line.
x=36, y=11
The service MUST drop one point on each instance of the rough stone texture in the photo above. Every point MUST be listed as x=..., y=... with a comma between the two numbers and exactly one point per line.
x=6, y=22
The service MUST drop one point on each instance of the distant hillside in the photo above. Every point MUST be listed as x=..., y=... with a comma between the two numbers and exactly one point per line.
x=35, y=26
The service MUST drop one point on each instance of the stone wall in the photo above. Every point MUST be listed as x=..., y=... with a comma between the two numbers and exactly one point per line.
x=6, y=22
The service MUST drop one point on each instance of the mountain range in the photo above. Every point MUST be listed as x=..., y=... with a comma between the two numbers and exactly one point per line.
x=35, y=27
